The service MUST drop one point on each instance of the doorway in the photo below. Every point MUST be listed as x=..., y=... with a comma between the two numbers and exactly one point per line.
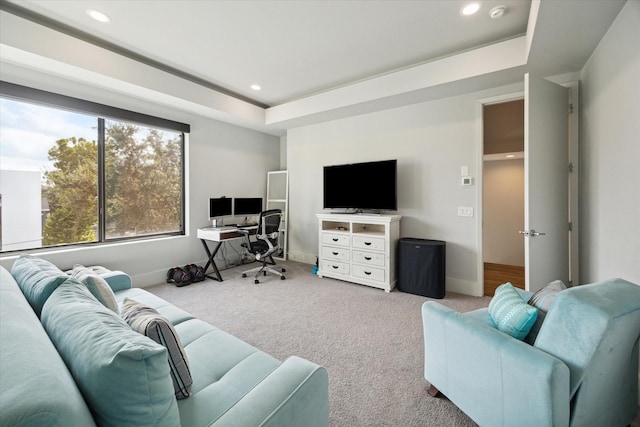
x=503, y=195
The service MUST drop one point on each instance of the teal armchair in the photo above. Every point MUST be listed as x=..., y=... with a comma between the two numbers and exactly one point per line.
x=582, y=369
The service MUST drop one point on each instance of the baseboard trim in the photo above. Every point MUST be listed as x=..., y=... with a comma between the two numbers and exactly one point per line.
x=463, y=287
x=303, y=257
x=160, y=276
x=148, y=279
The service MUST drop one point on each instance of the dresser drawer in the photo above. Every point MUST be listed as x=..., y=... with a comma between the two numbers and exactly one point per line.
x=367, y=272
x=368, y=258
x=335, y=253
x=335, y=239
x=330, y=266
x=373, y=243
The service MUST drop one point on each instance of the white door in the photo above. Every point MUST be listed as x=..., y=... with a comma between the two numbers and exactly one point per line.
x=546, y=171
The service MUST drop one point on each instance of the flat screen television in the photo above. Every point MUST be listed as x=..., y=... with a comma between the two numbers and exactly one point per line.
x=220, y=207
x=369, y=186
x=247, y=206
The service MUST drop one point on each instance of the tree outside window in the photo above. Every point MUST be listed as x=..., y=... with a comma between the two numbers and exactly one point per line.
x=53, y=191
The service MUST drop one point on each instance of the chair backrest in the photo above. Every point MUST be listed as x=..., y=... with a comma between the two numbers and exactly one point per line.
x=269, y=223
x=594, y=329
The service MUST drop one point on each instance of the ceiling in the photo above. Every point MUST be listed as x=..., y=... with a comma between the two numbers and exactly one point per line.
x=314, y=60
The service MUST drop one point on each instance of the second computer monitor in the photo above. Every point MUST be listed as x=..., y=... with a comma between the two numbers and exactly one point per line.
x=247, y=206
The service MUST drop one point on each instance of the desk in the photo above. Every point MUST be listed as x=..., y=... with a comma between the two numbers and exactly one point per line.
x=217, y=235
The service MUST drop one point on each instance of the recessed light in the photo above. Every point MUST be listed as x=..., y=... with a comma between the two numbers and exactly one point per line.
x=255, y=87
x=470, y=9
x=98, y=16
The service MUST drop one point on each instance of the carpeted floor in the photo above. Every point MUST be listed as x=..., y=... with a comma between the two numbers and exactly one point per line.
x=369, y=341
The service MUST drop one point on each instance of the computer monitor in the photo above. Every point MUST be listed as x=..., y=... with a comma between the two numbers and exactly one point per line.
x=219, y=208
x=243, y=206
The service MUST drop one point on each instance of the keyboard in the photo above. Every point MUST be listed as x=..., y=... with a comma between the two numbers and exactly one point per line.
x=248, y=225
x=224, y=227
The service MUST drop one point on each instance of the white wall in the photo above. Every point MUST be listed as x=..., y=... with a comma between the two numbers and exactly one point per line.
x=503, y=212
x=222, y=159
x=610, y=153
x=21, y=209
x=431, y=141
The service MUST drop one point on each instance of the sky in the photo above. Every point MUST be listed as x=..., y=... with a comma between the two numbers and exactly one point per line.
x=28, y=131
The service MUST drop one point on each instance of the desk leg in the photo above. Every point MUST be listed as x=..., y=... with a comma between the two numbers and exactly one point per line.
x=211, y=255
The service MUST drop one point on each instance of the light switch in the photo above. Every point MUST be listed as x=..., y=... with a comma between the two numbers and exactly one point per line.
x=465, y=211
x=464, y=171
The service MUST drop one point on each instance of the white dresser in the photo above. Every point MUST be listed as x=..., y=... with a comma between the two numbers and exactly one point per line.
x=359, y=248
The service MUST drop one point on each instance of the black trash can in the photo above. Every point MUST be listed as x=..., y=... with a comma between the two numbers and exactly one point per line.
x=421, y=267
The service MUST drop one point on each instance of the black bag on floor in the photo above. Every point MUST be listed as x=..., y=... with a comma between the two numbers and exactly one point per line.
x=178, y=276
x=195, y=271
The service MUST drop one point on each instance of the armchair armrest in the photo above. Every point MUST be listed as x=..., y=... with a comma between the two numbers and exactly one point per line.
x=295, y=394
x=492, y=377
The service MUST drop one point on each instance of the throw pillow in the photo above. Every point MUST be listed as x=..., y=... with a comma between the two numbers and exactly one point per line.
x=147, y=321
x=37, y=279
x=123, y=376
x=510, y=313
x=542, y=300
x=97, y=285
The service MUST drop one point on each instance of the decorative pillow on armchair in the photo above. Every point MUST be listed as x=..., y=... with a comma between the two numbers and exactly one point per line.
x=147, y=321
x=510, y=313
x=542, y=300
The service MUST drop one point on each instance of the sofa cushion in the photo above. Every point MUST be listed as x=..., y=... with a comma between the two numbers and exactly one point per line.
x=97, y=286
x=148, y=322
x=542, y=300
x=37, y=279
x=224, y=369
x=510, y=313
x=28, y=360
x=123, y=375
x=172, y=313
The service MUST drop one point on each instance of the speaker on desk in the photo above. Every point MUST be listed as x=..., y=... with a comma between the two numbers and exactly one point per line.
x=421, y=267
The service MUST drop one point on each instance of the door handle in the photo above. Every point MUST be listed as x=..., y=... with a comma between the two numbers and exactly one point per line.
x=532, y=233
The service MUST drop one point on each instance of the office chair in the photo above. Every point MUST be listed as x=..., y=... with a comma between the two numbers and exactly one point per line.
x=266, y=243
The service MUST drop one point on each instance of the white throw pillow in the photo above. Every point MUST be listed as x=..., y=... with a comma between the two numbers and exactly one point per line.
x=97, y=286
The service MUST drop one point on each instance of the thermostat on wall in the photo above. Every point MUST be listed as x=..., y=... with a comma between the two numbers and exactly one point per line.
x=467, y=180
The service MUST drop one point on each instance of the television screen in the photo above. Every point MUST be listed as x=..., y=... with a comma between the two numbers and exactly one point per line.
x=220, y=207
x=361, y=186
x=247, y=206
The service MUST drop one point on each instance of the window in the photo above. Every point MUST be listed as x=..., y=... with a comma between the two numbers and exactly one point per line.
x=71, y=174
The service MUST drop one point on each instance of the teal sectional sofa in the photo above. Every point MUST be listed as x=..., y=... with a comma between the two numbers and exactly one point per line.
x=66, y=359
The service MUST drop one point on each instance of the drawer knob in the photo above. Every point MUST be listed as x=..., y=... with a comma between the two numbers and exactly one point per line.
x=367, y=243
x=368, y=258
x=335, y=253
x=335, y=266
x=334, y=239
x=368, y=273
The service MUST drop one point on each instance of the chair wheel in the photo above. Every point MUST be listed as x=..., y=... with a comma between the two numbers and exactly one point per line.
x=244, y=275
x=284, y=270
x=281, y=277
x=256, y=281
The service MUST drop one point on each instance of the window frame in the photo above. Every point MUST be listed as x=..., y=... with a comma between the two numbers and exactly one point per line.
x=103, y=112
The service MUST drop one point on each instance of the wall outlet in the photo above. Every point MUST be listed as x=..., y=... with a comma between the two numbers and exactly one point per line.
x=465, y=211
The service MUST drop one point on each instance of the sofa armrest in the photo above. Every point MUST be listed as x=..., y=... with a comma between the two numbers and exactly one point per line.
x=117, y=280
x=294, y=394
x=492, y=377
